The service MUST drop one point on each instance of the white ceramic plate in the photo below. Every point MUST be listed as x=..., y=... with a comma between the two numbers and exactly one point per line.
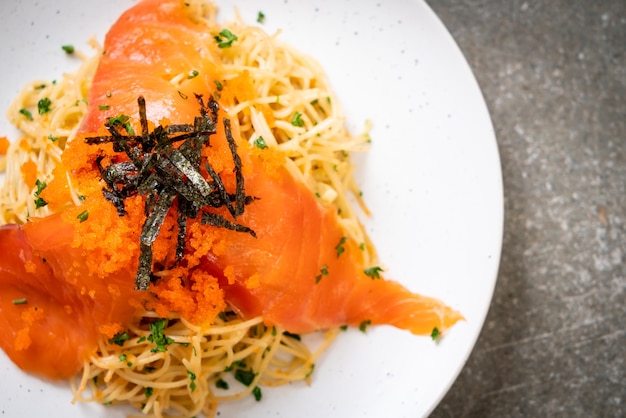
x=432, y=181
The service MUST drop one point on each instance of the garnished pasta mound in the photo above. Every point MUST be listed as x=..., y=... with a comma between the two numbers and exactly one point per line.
x=169, y=366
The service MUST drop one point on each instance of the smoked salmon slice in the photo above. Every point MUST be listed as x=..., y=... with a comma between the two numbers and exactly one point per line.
x=69, y=279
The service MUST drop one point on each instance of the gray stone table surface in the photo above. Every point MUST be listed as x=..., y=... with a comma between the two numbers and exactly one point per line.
x=553, y=74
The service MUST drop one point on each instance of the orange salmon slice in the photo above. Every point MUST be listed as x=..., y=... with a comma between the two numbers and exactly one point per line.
x=77, y=278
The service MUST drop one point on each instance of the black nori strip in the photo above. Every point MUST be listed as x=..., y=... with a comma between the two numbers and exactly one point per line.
x=218, y=220
x=165, y=174
x=239, y=192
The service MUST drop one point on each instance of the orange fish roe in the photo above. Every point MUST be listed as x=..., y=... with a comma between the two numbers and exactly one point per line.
x=29, y=173
x=109, y=330
x=4, y=145
x=196, y=297
x=29, y=317
x=112, y=241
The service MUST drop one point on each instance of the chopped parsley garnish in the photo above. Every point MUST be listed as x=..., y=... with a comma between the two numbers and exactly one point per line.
x=260, y=143
x=53, y=138
x=39, y=87
x=39, y=202
x=343, y=327
x=193, y=74
x=435, y=333
x=43, y=105
x=40, y=186
x=119, y=339
x=257, y=393
x=69, y=49
x=260, y=17
x=21, y=301
x=225, y=39
x=122, y=121
x=104, y=107
x=373, y=272
x=148, y=391
x=340, y=248
x=123, y=357
x=244, y=376
x=26, y=114
x=363, y=325
x=296, y=120
x=294, y=336
x=219, y=85
x=83, y=216
x=192, y=377
x=323, y=272
x=157, y=337
x=221, y=384
x=310, y=371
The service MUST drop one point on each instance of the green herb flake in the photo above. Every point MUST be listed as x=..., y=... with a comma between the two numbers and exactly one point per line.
x=296, y=120
x=43, y=105
x=294, y=336
x=20, y=301
x=373, y=272
x=119, y=339
x=26, y=114
x=148, y=392
x=257, y=393
x=142, y=339
x=69, y=49
x=53, y=138
x=343, y=327
x=363, y=325
x=123, y=357
x=104, y=107
x=40, y=186
x=221, y=384
x=83, y=216
x=40, y=203
x=435, y=333
x=260, y=143
x=310, y=371
x=192, y=377
x=244, y=376
x=260, y=17
x=160, y=340
x=340, y=248
x=323, y=272
x=225, y=39
x=193, y=74
x=122, y=121
x=40, y=86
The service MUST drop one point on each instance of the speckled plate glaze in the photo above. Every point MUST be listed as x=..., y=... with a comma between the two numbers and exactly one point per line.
x=432, y=181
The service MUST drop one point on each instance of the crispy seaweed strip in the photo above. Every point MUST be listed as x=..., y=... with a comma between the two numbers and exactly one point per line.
x=149, y=232
x=218, y=220
x=239, y=192
x=165, y=168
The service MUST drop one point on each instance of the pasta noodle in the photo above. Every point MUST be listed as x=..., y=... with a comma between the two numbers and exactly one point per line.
x=168, y=366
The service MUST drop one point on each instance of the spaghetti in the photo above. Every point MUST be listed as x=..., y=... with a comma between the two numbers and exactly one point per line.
x=169, y=366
